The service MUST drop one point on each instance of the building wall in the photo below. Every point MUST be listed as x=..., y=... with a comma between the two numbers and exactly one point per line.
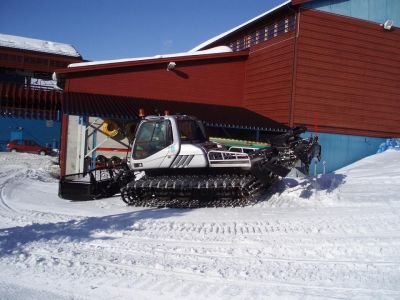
x=41, y=131
x=33, y=61
x=269, y=78
x=372, y=10
x=347, y=76
x=340, y=150
x=211, y=82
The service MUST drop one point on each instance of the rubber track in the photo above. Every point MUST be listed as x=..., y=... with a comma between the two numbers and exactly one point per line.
x=184, y=191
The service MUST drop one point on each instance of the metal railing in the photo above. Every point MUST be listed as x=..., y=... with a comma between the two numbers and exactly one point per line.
x=223, y=158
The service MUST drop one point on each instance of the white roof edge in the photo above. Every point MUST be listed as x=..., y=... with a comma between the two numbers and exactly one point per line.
x=216, y=38
x=215, y=50
x=24, y=43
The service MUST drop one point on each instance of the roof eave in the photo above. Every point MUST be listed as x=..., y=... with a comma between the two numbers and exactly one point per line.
x=134, y=63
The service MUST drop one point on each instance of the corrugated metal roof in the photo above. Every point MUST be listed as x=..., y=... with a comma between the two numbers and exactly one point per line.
x=118, y=107
x=103, y=106
x=28, y=102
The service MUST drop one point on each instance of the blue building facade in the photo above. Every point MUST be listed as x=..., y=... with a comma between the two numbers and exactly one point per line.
x=44, y=132
x=339, y=150
x=371, y=10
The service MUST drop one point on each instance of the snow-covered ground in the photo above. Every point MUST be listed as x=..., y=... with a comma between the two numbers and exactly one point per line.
x=335, y=237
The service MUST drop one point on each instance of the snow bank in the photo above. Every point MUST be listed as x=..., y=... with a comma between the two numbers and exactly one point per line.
x=393, y=144
x=20, y=42
x=361, y=183
x=34, y=162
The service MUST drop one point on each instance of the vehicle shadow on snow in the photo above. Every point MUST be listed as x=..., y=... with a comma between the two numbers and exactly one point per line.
x=13, y=240
x=309, y=185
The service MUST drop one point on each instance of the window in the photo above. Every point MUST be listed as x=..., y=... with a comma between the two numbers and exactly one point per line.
x=191, y=131
x=31, y=143
x=152, y=137
x=235, y=149
x=60, y=64
x=248, y=150
x=35, y=60
x=261, y=36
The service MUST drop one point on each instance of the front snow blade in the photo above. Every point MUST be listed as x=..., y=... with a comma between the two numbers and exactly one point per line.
x=94, y=184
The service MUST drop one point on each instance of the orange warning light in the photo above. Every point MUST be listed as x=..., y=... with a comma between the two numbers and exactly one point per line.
x=141, y=112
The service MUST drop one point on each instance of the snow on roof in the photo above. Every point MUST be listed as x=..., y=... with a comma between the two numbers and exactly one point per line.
x=220, y=49
x=222, y=35
x=19, y=42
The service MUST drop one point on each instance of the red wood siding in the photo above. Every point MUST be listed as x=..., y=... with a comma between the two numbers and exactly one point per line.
x=296, y=2
x=34, y=61
x=269, y=78
x=216, y=81
x=348, y=75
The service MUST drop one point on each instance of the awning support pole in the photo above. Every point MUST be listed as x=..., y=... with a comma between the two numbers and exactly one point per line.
x=81, y=144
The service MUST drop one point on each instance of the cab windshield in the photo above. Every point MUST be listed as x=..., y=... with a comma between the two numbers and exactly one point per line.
x=152, y=137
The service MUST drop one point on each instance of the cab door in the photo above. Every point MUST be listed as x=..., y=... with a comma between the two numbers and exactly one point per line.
x=152, y=144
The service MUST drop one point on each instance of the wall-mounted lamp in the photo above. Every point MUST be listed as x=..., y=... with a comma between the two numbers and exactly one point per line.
x=171, y=66
x=388, y=25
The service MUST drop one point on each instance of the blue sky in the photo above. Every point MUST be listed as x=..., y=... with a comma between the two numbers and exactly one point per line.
x=114, y=29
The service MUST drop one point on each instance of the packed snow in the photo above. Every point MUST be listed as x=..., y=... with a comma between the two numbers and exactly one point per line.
x=335, y=236
x=19, y=42
x=393, y=144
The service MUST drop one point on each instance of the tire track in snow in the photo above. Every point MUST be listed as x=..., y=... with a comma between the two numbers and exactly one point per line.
x=192, y=273
x=368, y=226
x=10, y=180
x=229, y=262
x=338, y=251
x=7, y=177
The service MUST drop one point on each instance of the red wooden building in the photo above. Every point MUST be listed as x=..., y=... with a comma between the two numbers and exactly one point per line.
x=323, y=64
x=26, y=68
